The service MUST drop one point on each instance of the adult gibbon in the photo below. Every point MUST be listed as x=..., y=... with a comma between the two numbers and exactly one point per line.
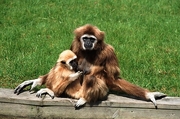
x=61, y=78
x=89, y=46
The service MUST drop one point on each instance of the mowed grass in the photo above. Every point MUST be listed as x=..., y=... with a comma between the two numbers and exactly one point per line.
x=144, y=33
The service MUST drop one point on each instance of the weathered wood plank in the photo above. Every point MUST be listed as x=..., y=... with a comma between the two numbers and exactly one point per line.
x=27, y=105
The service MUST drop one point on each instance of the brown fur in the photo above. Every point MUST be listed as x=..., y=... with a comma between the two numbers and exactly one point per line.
x=86, y=90
x=59, y=82
x=96, y=85
x=58, y=78
x=100, y=69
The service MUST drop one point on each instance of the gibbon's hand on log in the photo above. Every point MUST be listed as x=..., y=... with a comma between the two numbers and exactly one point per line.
x=89, y=46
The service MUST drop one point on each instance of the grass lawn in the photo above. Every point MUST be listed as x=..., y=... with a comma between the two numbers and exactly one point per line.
x=144, y=33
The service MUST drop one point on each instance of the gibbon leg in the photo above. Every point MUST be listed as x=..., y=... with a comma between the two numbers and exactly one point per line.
x=33, y=84
x=45, y=91
x=88, y=91
x=93, y=89
x=122, y=85
x=131, y=89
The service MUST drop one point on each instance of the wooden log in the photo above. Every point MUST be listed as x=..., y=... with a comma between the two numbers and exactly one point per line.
x=26, y=105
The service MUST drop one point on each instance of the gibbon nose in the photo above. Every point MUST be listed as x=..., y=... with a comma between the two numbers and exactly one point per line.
x=88, y=45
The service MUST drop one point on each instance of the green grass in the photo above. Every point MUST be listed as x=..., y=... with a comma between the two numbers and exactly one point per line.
x=144, y=33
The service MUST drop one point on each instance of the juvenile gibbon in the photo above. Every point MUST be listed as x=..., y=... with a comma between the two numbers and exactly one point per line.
x=64, y=78
x=89, y=46
x=58, y=79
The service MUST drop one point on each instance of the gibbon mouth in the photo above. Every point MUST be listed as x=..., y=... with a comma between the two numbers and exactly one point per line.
x=88, y=46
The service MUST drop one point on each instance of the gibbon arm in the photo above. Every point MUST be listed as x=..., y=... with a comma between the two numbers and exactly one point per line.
x=116, y=83
x=75, y=76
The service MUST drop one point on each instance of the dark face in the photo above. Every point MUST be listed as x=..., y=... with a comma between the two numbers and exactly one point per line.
x=88, y=42
x=74, y=64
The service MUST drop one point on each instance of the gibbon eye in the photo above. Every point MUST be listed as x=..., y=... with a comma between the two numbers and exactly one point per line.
x=63, y=62
x=92, y=40
x=85, y=38
x=89, y=39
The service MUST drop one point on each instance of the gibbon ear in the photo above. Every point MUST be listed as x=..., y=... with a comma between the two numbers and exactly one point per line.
x=63, y=62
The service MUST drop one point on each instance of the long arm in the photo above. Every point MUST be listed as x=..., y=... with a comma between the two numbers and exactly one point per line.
x=117, y=84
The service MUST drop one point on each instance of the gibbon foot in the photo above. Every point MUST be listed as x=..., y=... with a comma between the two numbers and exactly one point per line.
x=152, y=96
x=45, y=91
x=81, y=102
x=21, y=86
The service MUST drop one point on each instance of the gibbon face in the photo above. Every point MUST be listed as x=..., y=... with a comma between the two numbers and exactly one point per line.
x=68, y=59
x=88, y=41
x=90, y=37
